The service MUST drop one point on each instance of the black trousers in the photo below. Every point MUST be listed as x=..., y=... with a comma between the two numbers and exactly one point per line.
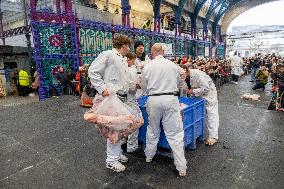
x=259, y=85
x=23, y=90
x=235, y=78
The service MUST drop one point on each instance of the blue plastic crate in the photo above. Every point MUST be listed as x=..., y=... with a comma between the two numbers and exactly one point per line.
x=193, y=122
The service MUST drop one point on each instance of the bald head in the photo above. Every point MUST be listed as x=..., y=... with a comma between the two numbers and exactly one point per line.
x=157, y=49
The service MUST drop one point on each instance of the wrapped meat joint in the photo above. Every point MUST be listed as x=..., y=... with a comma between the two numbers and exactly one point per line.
x=114, y=119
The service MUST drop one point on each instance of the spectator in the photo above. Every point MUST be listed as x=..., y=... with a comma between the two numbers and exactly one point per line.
x=255, y=64
x=262, y=78
x=61, y=78
x=24, y=83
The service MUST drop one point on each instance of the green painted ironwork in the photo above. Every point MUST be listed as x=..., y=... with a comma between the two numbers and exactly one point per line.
x=47, y=48
x=93, y=42
x=220, y=51
x=201, y=49
x=207, y=48
x=49, y=66
x=157, y=39
x=170, y=41
x=192, y=49
x=87, y=60
x=179, y=51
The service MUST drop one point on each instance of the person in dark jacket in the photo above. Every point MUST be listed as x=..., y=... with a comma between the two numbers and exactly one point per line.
x=61, y=78
x=255, y=65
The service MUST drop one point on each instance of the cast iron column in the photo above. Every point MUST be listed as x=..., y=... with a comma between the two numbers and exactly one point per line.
x=27, y=34
x=1, y=26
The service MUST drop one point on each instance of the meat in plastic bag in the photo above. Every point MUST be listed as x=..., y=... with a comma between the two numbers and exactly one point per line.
x=114, y=119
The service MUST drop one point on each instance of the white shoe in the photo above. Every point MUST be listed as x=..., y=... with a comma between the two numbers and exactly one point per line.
x=182, y=173
x=117, y=166
x=123, y=158
x=148, y=160
x=236, y=83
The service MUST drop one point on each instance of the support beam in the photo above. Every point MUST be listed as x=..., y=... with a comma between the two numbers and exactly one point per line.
x=125, y=6
x=33, y=5
x=58, y=8
x=27, y=33
x=178, y=11
x=157, y=14
x=1, y=24
x=194, y=15
x=214, y=4
x=223, y=9
x=68, y=6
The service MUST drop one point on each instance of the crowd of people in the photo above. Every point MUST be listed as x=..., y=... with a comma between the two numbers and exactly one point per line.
x=261, y=68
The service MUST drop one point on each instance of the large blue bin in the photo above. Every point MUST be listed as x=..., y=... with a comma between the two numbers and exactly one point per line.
x=193, y=122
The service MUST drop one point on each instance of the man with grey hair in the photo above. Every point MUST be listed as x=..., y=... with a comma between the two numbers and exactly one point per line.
x=160, y=80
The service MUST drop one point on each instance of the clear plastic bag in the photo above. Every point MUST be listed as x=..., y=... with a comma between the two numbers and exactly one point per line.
x=97, y=100
x=114, y=119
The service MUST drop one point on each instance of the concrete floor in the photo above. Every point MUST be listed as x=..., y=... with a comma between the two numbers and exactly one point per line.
x=49, y=145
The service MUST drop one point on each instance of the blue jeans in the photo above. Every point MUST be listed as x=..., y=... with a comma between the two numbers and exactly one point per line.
x=253, y=73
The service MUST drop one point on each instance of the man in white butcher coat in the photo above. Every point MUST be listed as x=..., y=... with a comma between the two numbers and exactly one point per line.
x=109, y=71
x=203, y=86
x=160, y=81
x=236, y=67
x=132, y=140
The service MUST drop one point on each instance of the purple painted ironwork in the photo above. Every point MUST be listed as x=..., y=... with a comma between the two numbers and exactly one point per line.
x=59, y=22
x=125, y=6
x=58, y=8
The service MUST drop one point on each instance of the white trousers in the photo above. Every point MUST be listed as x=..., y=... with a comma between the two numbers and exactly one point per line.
x=167, y=109
x=212, y=118
x=113, y=151
x=132, y=141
